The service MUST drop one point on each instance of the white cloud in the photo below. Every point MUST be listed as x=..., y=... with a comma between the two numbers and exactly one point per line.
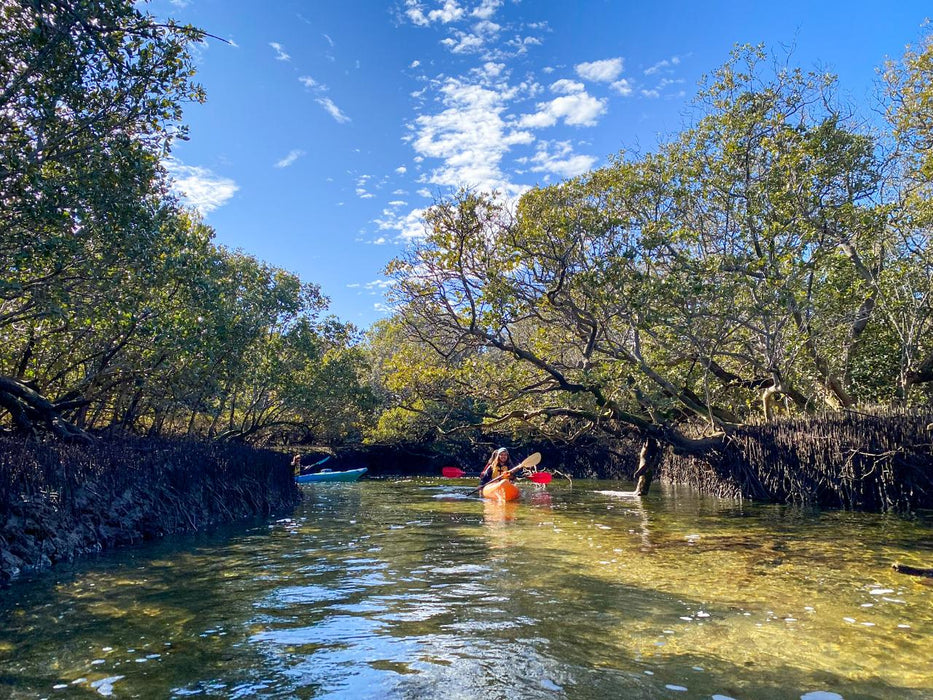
x=487, y=28
x=600, y=71
x=450, y=11
x=486, y=9
x=470, y=136
x=333, y=110
x=491, y=69
x=577, y=109
x=622, y=86
x=651, y=94
x=465, y=43
x=280, y=54
x=290, y=158
x=401, y=170
x=180, y=3
x=415, y=64
x=408, y=227
x=329, y=40
x=200, y=187
x=559, y=159
x=415, y=12
x=310, y=82
x=567, y=87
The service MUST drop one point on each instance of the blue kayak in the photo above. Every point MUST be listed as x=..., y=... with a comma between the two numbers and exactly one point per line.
x=330, y=475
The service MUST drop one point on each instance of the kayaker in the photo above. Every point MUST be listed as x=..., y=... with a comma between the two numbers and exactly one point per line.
x=499, y=463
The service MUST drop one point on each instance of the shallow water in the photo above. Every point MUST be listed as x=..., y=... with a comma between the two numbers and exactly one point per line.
x=406, y=589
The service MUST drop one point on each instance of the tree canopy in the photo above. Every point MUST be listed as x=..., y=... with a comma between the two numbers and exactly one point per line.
x=773, y=256
x=116, y=308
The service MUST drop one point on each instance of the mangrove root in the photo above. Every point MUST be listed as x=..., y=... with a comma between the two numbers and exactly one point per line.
x=912, y=570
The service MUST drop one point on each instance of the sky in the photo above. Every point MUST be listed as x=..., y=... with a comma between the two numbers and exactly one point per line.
x=330, y=125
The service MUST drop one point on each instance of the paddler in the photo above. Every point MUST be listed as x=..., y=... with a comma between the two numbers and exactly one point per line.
x=499, y=463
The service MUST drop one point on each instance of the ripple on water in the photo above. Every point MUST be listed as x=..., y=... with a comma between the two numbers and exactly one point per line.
x=300, y=595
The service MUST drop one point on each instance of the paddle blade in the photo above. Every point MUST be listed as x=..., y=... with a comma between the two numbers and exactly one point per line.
x=531, y=460
x=452, y=472
x=541, y=477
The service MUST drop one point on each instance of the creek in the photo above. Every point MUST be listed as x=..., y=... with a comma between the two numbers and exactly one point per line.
x=409, y=589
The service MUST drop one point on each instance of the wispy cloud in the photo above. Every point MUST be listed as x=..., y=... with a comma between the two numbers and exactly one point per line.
x=200, y=187
x=379, y=284
x=600, y=71
x=280, y=54
x=325, y=102
x=333, y=110
x=666, y=65
x=292, y=156
x=362, y=182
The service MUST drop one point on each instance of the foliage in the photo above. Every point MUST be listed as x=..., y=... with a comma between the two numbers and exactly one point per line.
x=767, y=258
x=116, y=309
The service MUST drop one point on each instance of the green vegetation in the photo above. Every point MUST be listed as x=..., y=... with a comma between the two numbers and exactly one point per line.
x=116, y=309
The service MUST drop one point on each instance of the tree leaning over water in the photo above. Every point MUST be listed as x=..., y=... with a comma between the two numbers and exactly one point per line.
x=773, y=257
x=116, y=309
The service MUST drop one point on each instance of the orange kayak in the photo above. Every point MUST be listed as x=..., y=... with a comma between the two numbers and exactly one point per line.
x=501, y=491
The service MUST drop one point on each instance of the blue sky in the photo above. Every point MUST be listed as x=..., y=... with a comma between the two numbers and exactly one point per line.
x=331, y=124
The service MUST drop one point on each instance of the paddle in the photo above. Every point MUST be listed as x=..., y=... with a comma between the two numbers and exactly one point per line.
x=457, y=473
x=305, y=470
x=529, y=461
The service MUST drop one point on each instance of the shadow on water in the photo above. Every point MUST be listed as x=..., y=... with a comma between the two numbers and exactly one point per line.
x=408, y=589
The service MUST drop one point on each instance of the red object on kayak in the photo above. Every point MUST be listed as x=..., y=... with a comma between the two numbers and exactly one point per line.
x=452, y=472
x=541, y=477
x=501, y=491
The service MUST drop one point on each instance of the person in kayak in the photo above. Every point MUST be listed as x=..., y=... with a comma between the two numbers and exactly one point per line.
x=499, y=463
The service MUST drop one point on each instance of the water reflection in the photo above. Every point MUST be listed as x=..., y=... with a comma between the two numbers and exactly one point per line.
x=408, y=589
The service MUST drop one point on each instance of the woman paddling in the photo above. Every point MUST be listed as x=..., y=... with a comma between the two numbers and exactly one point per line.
x=499, y=463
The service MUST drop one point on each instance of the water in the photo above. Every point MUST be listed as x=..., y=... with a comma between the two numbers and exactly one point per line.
x=405, y=589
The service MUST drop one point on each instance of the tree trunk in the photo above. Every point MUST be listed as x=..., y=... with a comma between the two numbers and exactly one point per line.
x=648, y=460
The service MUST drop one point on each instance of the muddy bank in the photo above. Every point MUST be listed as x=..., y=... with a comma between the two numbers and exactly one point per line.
x=60, y=501
x=852, y=460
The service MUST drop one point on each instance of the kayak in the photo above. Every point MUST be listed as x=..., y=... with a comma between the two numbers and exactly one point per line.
x=501, y=491
x=331, y=475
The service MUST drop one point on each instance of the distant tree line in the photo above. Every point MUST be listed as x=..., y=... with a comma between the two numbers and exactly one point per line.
x=117, y=311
